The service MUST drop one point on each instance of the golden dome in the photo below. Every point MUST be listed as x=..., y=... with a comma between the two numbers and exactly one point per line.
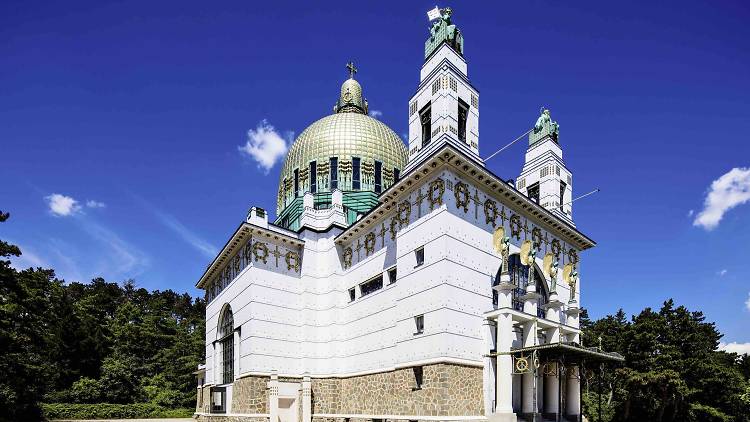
x=346, y=134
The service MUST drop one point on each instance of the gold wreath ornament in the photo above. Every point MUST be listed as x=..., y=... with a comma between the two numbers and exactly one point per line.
x=522, y=364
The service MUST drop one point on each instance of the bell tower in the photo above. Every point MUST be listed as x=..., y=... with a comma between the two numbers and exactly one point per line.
x=445, y=108
x=544, y=177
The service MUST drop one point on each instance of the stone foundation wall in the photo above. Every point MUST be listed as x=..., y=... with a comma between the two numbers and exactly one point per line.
x=250, y=395
x=219, y=418
x=447, y=390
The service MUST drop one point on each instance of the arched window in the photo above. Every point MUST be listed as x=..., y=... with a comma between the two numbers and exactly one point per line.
x=226, y=340
x=519, y=275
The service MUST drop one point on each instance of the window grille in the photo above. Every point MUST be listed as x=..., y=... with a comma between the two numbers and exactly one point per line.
x=226, y=339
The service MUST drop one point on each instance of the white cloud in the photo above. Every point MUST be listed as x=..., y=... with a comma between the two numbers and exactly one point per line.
x=726, y=192
x=124, y=260
x=376, y=113
x=739, y=348
x=747, y=303
x=690, y=213
x=95, y=204
x=61, y=205
x=722, y=273
x=264, y=145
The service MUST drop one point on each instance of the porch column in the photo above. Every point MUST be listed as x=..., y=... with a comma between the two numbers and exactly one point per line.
x=488, y=374
x=273, y=397
x=527, y=397
x=574, y=391
x=306, y=398
x=551, y=383
x=504, y=367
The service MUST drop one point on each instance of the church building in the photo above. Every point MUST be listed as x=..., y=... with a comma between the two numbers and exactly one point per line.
x=402, y=282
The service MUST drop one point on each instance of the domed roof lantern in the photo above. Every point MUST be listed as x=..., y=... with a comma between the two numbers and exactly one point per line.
x=350, y=100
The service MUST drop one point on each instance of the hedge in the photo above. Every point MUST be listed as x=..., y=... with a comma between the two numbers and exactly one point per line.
x=112, y=411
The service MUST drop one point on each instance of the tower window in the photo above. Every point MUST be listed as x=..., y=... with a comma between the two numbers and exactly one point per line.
x=419, y=255
x=296, y=183
x=334, y=172
x=355, y=173
x=313, y=176
x=562, y=193
x=533, y=192
x=352, y=294
x=425, y=117
x=378, y=176
x=396, y=175
x=463, y=113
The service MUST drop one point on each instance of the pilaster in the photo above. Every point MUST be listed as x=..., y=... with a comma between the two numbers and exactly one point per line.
x=273, y=397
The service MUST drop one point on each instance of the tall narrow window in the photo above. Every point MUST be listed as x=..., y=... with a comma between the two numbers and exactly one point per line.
x=419, y=256
x=313, y=176
x=562, y=194
x=355, y=173
x=425, y=117
x=334, y=173
x=419, y=324
x=378, y=177
x=226, y=339
x=533, y=192
x=296, y=183
x=463, y=113
x=396, y=175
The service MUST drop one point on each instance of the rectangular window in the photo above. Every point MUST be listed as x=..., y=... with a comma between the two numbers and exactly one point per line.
x=463, y=114
x=352, y=294
x=392, y=275
x=378, y=177
x=419, y=255
x=218, y=400
x=419, y=323
x=396, y=175
x=418, y=377
x=371, y=286
x=296, y=183
x=533, y=192
x=425, y=117
x=562, y=194
x=313, y=176
x=334, y=173
x=355, y=173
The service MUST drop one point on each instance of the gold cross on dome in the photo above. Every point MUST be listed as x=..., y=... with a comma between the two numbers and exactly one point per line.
x=352, y=69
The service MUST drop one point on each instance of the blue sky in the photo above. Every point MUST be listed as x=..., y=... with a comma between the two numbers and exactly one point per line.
x=141, y=113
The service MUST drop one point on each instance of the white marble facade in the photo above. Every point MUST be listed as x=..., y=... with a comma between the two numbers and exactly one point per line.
x=302, y=307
